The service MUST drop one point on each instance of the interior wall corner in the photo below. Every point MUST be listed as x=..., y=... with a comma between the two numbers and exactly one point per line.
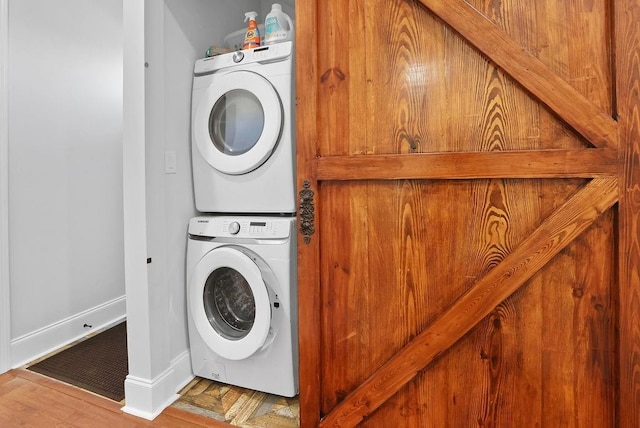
x=5, y=296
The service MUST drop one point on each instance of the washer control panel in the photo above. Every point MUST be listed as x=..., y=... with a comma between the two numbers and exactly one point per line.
x=234, y=228
x=242, y=227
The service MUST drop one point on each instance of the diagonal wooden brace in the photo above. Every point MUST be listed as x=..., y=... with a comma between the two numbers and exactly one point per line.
x=553, y=235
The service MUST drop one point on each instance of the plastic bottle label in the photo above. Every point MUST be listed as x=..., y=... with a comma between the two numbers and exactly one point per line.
x=271, y=25
x=252, y=36
x=273, y=30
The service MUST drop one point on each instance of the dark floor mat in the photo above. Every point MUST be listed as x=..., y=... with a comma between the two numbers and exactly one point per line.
x=98, y=364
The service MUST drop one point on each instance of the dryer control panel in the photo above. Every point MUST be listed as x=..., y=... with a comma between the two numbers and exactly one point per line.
x=241, y=227
x=263, y=54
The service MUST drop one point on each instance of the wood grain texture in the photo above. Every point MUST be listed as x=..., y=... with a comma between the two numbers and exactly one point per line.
x=238, y=406
x=502, y=211
x=346, y=339
x=308, y=254
x=563, y=99
x=574, y=51
x=554, y=234
x=439, y=94
x=586, y=163
x=343, y=52
x=627, y=16
x=373, y=309
x=431, y=166
x=579, y=331
x=30, y=399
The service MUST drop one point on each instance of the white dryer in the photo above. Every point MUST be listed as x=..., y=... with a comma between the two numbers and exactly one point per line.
x=242, y=131
x=242, y=301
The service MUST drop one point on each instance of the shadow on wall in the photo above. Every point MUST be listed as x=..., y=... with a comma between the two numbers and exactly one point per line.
x=203, y=30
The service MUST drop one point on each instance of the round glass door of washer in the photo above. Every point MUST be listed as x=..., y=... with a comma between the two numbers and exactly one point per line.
x=230, y=303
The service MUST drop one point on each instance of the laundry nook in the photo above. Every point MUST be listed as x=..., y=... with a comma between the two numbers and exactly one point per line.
x=228, y=119
x=319, y=213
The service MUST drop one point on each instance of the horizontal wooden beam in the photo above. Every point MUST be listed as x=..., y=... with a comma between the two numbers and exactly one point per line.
x=554, y=234
x=543, y=83
x=587, y=163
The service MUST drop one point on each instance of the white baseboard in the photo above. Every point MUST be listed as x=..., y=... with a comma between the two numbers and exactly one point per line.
x=147, y=398
x=39, y=343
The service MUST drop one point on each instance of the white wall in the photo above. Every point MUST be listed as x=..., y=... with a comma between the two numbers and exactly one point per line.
x=5, y=296
x=189, y=27
x=65, y=170
x=142, y=390
x=167, y=37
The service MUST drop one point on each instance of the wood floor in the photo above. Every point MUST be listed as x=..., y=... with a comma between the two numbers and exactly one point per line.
x=239, y=406
x=31, y=400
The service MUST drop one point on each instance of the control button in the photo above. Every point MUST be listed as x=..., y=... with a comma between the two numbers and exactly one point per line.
x=234, y=228
x=238, y=56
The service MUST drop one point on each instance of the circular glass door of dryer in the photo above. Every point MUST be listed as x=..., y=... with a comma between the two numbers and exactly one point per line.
x=238, y=122
x=230, y=304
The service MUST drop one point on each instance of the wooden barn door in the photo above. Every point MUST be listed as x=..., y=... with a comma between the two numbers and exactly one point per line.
x=469, y=212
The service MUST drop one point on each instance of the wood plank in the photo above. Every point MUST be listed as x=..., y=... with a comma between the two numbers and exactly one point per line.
x=579, y=330
x=9, y=382
x=505, y=213
x=571, y=38
x=30, y=399
x=562, y=98
x=69, y=390
x=341, y=77
x=627, y=19
x=171, y=413
x=49, y=407
x=308, y=254
x=554, y=234
x=35, y=396
x=16, y=414
x=347, y=330
x=428, y=90
x=585, y=163
x=410, y=285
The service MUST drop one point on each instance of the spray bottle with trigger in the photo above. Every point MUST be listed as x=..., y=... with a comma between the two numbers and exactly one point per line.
x=252, y=36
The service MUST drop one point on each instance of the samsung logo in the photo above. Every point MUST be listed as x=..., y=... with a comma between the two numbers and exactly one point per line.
x=203, y=221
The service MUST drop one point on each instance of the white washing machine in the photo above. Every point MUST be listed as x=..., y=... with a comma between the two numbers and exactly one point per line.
x=242, y=301
x=242, y=131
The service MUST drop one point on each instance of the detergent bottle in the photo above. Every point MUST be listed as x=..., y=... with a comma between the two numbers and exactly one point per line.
x=278, y=27
x=252, y=36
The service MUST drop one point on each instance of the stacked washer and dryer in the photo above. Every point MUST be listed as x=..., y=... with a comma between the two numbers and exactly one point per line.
x=241, y=253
